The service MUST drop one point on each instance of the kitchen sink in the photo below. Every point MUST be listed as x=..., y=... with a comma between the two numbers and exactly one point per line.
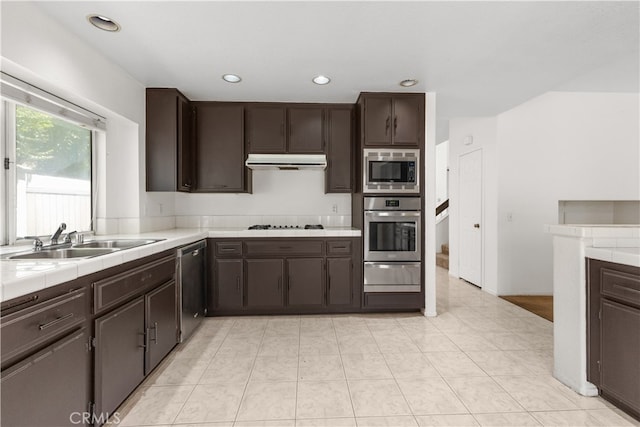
x=116, y=243
x=64, y=253
x=83, y=250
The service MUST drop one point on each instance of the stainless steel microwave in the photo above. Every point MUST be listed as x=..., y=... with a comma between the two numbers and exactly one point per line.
x=388, y=170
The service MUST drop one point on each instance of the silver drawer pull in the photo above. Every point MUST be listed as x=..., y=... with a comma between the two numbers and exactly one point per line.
x=155, y=332
x=54, y=322
x=196, y=252
x=22, y=302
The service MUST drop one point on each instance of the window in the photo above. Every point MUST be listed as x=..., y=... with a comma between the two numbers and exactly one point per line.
x=53, y=174
x=48, y=175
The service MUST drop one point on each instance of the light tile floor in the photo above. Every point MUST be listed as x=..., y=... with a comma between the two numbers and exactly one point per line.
x=482, y=361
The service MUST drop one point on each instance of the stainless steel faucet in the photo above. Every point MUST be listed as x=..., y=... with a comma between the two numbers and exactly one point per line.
x=56, y=235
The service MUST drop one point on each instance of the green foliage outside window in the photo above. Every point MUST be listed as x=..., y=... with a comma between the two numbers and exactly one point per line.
x=46, y=145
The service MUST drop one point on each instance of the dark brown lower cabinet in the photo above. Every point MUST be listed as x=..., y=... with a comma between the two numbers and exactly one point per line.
x=620, y=365
x=339, y=282
x=119, y=355
x=264, y=283
x=229, y=278
x=162, y=323
x=130, y=342
x=305, y=284
x=50, y=387
x=613, y=332
x=284, y=275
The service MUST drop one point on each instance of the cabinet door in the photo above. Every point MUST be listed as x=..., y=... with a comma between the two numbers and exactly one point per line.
x=228, y=284
x=220, y=147
x=162, y=323
x=161, y=139
x=47, y=388
x=408, y=117
x=306, y=130
x=119, y=354
x=378, y=124
x=340, y=150
x=264, y=283
x=620, y=352
x=305, y=284
x=185, y=146
x=339, y=281
x=265, y=129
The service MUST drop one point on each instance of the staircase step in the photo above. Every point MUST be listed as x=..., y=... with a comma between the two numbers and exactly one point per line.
x=445, y=249
x=442, y=260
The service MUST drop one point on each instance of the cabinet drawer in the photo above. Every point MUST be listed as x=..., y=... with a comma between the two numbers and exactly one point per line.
x=284, y=247
x=116, y=289
x=338, y=247
x=622, y=286
x=228, y=248
x=35, y=325
x=400, y=301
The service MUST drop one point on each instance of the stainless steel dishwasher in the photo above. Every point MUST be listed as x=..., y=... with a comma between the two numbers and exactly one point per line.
x=192, y=287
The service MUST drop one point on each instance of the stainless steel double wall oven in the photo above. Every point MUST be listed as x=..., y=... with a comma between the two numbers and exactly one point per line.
x=392, y=224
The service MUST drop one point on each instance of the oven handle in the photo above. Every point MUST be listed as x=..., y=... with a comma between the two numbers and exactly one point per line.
x=392, y=213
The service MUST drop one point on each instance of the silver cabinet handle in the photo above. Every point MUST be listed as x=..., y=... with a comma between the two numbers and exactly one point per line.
x=155, y=333
x=195, y=253
x=55, y=322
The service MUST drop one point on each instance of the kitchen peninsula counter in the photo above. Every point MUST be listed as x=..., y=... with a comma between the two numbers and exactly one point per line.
x=572, y=245
x=21, y=277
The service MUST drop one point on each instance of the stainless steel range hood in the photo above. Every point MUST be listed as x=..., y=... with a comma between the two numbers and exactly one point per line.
x=286, y=161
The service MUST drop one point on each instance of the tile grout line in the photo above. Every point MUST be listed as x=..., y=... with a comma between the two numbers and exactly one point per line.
x=295, y=408
x=198, y=383
x=344, y=371
x=246, y=384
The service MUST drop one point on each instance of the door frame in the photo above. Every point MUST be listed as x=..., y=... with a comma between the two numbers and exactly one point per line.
x=482, y=215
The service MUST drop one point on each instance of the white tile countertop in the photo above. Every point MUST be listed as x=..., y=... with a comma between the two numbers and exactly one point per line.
x=20, y=277
x=628, y=256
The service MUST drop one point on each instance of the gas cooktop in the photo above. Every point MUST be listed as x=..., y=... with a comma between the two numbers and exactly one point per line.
x=286, y=227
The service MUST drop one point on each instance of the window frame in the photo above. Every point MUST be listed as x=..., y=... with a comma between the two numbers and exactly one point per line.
x=16, y=92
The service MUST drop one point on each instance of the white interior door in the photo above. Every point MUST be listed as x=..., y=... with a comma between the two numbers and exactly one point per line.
x=470, y=214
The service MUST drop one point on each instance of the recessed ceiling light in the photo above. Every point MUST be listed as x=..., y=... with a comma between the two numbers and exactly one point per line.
x=231, y=78
x=408, y=83
x=321, y=80
x=104, y=23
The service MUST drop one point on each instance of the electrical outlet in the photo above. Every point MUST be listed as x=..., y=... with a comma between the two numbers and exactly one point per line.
x=334, y=208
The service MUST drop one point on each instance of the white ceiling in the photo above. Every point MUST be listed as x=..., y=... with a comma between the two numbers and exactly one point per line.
x=481, y=58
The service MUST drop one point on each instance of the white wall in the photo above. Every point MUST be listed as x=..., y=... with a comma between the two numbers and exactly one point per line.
x=442, y=191
x=441, y=165
x=40, y=51
x=558, y=146
x=483, y=131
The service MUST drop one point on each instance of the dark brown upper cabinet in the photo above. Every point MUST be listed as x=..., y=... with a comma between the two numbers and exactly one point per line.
x=266, y=128
x=340, y=142
x=306, y=129
x=285, y=128
x=169, y=142
x=220, y=152
x=392, y=119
